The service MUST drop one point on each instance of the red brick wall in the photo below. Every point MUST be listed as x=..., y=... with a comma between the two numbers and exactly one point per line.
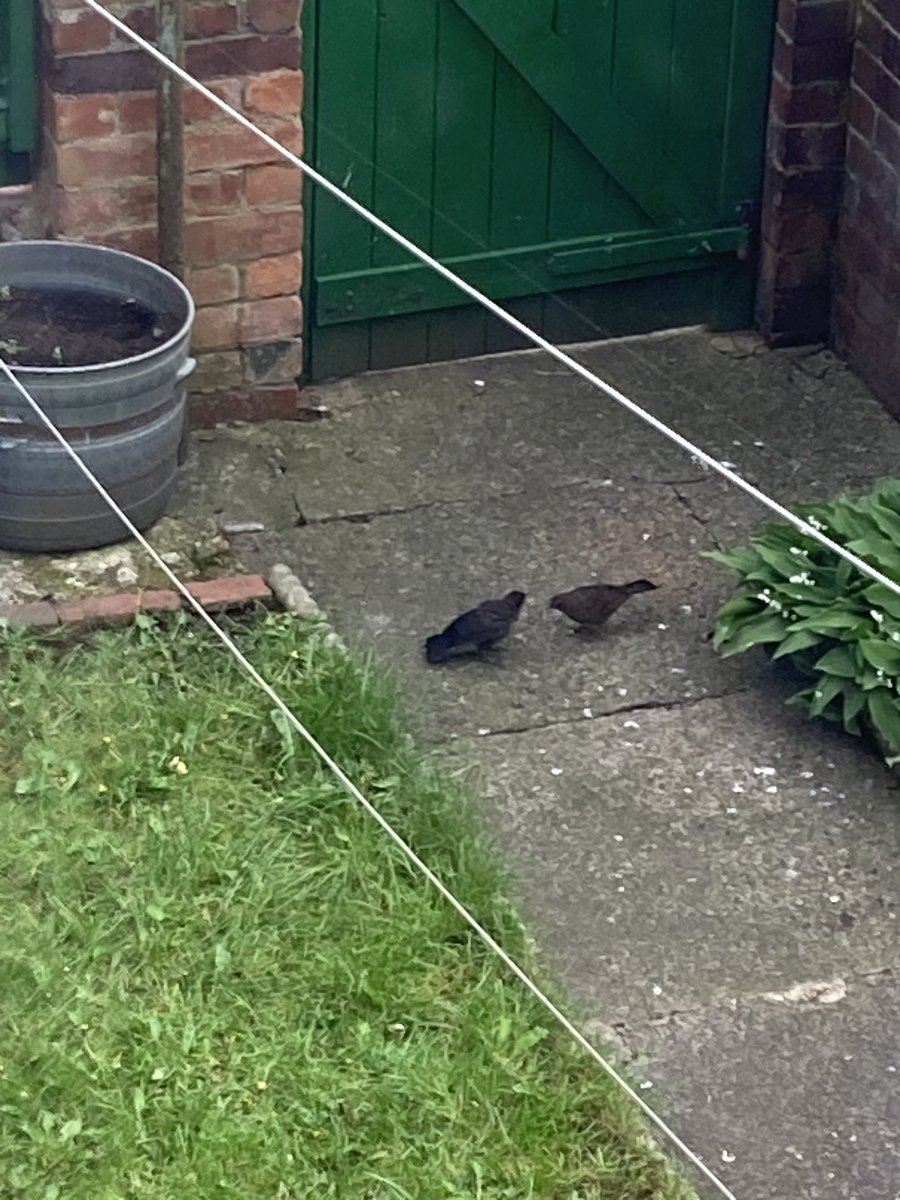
x=243, y=212
x=830, y=261
x=867, y=289
x=804, y=168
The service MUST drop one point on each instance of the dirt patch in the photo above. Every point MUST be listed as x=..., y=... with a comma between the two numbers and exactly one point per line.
x=67, y=327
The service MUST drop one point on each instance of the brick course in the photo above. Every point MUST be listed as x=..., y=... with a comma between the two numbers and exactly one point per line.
x=242, y=204
x=804, y=168
x=831, y=209
x=866, y=318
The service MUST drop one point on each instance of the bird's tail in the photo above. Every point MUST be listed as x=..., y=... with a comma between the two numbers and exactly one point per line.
x=639, y=585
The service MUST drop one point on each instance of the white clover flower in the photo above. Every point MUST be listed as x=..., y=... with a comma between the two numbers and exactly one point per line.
x=876, y=616
x=816, y=524
x=803, y=577
x=799, y=550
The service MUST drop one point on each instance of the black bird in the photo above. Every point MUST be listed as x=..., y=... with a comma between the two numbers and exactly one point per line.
x=592, y=606
x=477, y=630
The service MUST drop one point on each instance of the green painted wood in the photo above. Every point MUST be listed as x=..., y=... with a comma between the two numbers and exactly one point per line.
x=18, y=90
x=404, y=148
x=564, y=78
x=392, y=291
x=549, y=150
x=345, y=128
x=343, y=141
x=457, y=333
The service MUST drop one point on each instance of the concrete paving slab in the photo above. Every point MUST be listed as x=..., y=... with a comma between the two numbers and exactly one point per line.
x=486, y=427
x=673, y=859
x=790, y=1100
x=391, y=581
x=236, y=476
x=408, y=445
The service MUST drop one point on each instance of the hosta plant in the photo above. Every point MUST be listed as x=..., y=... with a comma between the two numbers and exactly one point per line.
x=841, y=629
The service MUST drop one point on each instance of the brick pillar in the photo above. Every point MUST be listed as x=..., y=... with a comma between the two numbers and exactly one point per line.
x=867, y=286
x=243, y=203
x=804, y=168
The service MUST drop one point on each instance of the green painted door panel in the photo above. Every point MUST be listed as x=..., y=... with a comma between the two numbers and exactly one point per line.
x=18, y=103
x=569, y=157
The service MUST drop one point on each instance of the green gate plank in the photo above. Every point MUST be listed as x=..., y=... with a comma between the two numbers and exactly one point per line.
x=463, y=157
x=22, y=78
x=18, y=90
x=565, y=79
x=404, y=145
x=701, y=55
x=743, y=145
x=347, y=38
x=404, y=124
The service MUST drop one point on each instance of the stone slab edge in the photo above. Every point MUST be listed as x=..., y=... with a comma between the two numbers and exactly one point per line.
x=294, y=597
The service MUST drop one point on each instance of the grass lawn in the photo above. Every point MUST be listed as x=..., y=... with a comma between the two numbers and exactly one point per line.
x=219, y=979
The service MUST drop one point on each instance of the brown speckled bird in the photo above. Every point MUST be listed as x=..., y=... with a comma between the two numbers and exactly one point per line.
x=477, y=630
x=591, y=607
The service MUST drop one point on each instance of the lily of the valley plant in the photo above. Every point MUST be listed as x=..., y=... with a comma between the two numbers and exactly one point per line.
x=799, y=601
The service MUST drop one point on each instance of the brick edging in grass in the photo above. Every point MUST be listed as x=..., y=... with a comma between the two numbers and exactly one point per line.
x=216, y=595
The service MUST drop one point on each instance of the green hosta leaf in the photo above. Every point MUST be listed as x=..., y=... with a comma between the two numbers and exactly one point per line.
x=868, y=678
x=782, y=561
x=801, y=699
x=824, y=693
x=882, y=597
x=883, y=655
x=741, y=605
x=887, y=521
x=803, y=593
x=852, y=521
x=840, y=661
x=854, y=702
x=802, y=639
x=879, y=551
x=844, y=574
x=742, y=560
x=851, y=625
x=884, y=709
x=766, y=628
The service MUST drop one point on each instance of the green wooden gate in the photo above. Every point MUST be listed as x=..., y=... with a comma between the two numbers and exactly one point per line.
x=594, y=164
x=18, y=120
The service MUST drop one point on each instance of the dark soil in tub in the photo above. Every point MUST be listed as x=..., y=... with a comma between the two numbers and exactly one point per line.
x=69, y=327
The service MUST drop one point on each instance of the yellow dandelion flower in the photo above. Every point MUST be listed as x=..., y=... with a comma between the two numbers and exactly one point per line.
x=261, y=1085
x=102, y=789
x=178, y=765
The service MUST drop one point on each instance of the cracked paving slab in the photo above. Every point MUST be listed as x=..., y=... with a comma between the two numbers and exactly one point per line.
x=389, y=582
x=674, y=859
x=236, y=475
x=486, y=426
x=789, y=1100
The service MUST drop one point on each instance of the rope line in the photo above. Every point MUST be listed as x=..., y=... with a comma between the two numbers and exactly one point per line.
x=694, y=451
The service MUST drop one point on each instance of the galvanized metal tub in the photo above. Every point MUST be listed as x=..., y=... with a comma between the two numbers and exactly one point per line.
x=124, y=418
